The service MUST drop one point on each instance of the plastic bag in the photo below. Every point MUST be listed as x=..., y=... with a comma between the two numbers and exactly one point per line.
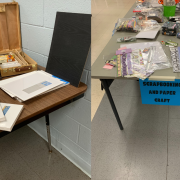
x=126, y=39
x=170, y=28
x=156, y=14
x=146, y=25
x=126, y=24
x=147, y=58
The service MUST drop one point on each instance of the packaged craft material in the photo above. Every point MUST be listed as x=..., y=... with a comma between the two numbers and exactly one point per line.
x=6, y=58
x=146, y=25
x=170, y=43
x=156, y=14
x=170, y=28
x=175, y=54
x=125, y=24
x=126, y=39
x=10, y=64
x=147, y=58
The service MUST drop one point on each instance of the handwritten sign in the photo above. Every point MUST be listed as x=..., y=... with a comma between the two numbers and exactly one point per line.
x=160, y=92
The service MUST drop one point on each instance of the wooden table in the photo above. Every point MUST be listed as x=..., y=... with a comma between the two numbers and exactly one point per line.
x=43, y=105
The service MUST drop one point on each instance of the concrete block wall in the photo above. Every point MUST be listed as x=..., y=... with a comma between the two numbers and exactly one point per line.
x=71, y=125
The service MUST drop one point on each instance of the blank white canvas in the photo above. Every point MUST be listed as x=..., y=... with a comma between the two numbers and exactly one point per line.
x=11, y=116
x=2, y=118
x=16, y=87
x=151, y=34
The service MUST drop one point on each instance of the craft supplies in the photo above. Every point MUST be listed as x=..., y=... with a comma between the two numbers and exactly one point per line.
x=174, y=18
x=107, y=67
x=6, y=58
x=149, y=52
x=178, y=35
x=170, y=43
x=169, y=2
x=124, y=57
x=149, y=64
x=125, y=24
x=126, y=39
x=155, y=14
x=10, y=64
x=169, y=28
x=146, y=25
x=175, y=58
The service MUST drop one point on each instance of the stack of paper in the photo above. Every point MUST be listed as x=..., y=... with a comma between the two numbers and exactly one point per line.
x=11, y=113
x=30, y=85
x=150, y=34
x=2, y=118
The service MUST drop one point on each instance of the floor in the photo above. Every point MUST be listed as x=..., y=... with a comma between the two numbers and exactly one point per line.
x=24, y=156
x=149, y=146
x=105, y=14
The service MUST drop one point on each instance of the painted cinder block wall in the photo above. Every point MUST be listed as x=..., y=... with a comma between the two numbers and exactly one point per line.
x=71, y=125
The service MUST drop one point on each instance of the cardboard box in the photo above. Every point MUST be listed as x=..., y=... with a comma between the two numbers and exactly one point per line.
x=10, y=40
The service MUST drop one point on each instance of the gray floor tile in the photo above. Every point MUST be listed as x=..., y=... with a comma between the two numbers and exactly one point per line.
x=174, y=132
x=136, y=129
x=148, y=110
x=126, y=106
x=148, y=162
x=13, y=167
x=125, y=88
x=105, y=129
x=173, y=163
x=28, y=156
x=113, y=162
x=174, y=112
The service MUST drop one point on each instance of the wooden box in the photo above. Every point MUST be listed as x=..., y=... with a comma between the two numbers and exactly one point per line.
x=10, y=40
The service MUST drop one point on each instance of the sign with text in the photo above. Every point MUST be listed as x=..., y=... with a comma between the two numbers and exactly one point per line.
x=160, y=92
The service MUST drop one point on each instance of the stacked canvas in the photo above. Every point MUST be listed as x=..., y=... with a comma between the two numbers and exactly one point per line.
x=11, y=112
x=2, y=118
x=23, y=88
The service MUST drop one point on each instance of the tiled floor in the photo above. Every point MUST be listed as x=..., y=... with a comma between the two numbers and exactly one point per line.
x=24, y=156
x=104, y=16
x=147, y=149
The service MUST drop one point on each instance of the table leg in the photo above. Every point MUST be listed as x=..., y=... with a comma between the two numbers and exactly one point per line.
x=106, y=87
x=48, y=132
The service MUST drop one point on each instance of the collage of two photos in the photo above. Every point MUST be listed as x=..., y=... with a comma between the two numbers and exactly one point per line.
x=89, y=89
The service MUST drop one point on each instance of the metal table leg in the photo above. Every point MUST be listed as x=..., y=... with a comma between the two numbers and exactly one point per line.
x=106, y=85
x=48, y=132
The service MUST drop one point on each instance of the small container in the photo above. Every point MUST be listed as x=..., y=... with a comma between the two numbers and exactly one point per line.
x=169, y=11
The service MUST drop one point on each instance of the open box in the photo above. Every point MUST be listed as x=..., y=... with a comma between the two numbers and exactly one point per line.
x=10, y=40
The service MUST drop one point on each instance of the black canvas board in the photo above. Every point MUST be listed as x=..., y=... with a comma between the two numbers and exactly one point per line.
x=70, y=46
